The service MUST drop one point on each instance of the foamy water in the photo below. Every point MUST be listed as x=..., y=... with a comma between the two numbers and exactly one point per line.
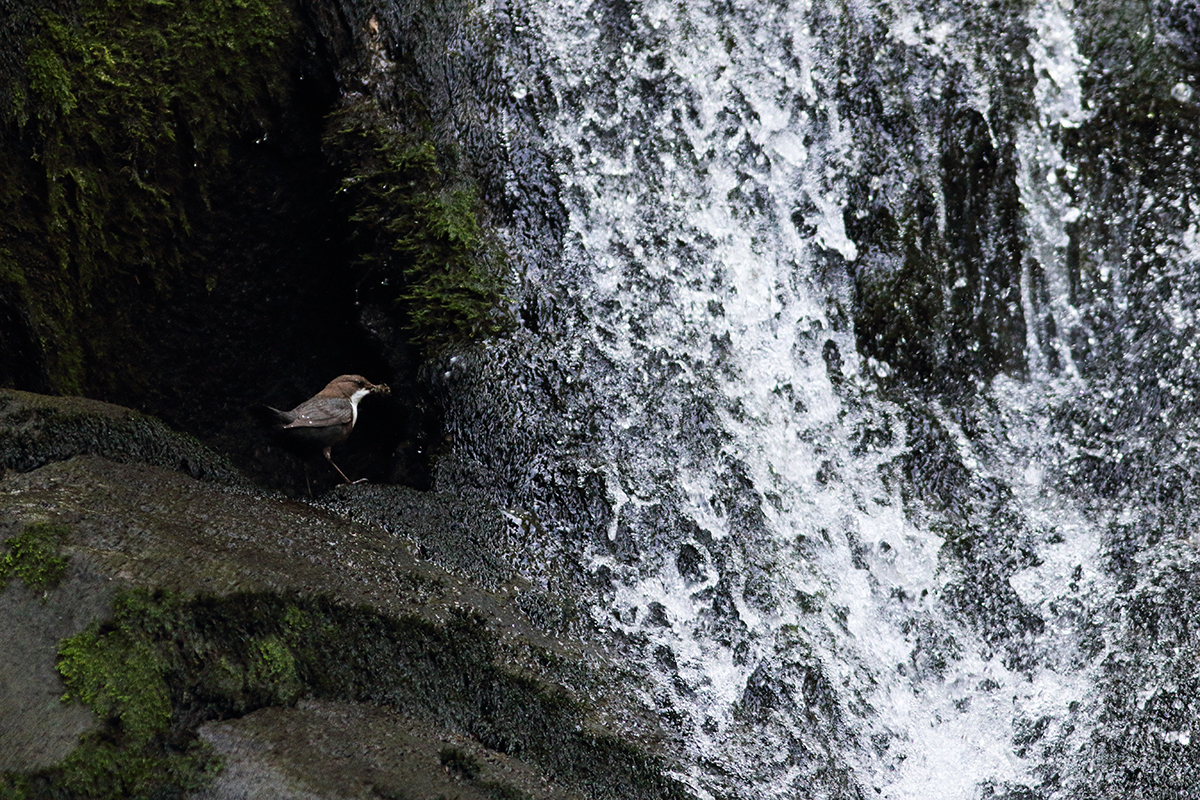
x=788, y=601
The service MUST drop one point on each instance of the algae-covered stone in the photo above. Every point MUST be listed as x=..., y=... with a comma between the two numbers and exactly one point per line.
x=37, y=429
x=207, y=603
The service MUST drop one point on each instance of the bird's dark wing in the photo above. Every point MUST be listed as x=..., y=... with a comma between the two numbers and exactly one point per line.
x=322, y=412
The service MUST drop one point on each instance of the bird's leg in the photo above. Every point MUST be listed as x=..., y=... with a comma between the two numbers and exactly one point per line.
x=329, y=457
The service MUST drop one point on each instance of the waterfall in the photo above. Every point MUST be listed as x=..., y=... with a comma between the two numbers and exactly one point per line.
x=804, y=412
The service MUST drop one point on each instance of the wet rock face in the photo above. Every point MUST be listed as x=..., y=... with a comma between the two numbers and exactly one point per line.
x=937, y=287
x=1022, y=217
x=453, y=533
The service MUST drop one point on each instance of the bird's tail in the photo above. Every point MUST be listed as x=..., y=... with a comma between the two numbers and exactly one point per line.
x=270, y=416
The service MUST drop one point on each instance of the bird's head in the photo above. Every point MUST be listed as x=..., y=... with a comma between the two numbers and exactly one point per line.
x=353, y=387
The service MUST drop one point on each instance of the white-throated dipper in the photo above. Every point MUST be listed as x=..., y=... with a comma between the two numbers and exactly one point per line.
x=326, y=418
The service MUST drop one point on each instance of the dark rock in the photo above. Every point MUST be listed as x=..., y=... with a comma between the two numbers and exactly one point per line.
x=460, y=536
x=36, y=430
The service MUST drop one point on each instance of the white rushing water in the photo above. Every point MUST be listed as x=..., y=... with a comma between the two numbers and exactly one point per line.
x=705, y=164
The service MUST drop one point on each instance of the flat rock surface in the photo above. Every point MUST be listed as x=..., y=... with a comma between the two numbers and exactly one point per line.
x=153, y=527
x=38, y=729
x=322, y=749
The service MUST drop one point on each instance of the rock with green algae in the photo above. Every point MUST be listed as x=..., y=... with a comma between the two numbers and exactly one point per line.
x=190, y=603
x=36, y=429
x=33, y=557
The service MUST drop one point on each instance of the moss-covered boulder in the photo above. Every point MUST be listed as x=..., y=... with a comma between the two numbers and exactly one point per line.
x=207, y=629
x=36, y=429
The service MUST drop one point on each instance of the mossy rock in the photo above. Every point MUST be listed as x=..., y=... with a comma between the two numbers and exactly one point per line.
x=33, y=557
x=37, y=429
x=152, y=157
x=415, y=229
x=211, y=604
x=119, y=121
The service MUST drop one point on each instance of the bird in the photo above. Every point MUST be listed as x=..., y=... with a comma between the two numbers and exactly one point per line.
x=326, y=418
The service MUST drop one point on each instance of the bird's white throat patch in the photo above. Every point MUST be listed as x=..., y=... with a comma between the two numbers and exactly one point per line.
x=354, y=398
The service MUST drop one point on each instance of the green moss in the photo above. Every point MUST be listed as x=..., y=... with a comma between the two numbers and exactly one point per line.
x=121, y=121
x=120, y=125
x=120, y=97
x=415, y=228
x=163, y=659
x=119, y=674
x=274, y=670
x=119, y=669
x=33, y=556
x=105, y=768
